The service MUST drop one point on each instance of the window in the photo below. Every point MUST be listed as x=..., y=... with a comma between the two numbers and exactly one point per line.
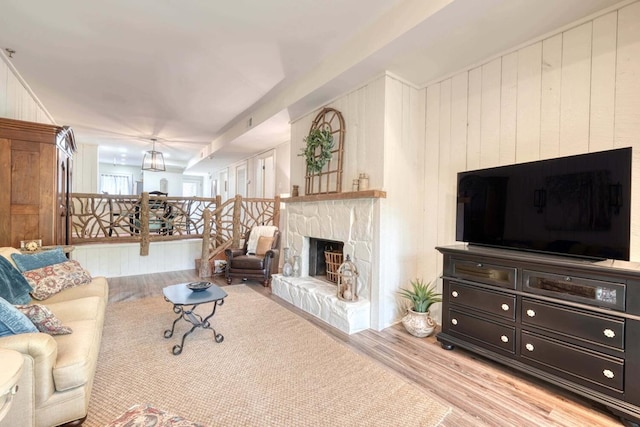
x=115, y=184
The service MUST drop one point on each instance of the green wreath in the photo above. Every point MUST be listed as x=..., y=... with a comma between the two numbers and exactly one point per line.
x=318, y=138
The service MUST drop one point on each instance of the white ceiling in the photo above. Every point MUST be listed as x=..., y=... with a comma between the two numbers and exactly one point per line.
x=191, y=73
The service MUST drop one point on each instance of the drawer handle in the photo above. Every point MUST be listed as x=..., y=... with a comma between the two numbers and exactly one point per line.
x=531, y=313
x=479, y=265
x=608, y=373
x=609, y=333
x=505, y=307
x=567, y=279
x=454, y=321
x=504, y=338
x=454, y=294
x=529, y=347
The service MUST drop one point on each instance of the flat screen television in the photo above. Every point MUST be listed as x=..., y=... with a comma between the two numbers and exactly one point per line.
x=577, y=205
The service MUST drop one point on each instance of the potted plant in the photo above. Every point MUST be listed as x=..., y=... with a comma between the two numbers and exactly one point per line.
x=418, y=320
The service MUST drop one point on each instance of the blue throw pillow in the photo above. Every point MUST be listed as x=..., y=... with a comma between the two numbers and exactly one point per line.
x=13, y=286
x=12, y=321
x=26, y=262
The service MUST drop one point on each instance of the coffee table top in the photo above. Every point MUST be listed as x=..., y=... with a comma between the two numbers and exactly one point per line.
x=181, y=295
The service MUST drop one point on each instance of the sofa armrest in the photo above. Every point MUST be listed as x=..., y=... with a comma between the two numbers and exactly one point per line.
x=41, y=351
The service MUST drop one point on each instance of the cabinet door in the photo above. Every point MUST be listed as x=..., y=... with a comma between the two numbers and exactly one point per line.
x=479, y=271
x=5, y=195
x=33, y=192
x=573, y=288
x=63, y=226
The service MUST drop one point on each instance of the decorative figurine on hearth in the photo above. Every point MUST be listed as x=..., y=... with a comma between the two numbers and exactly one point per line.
x=348, y=281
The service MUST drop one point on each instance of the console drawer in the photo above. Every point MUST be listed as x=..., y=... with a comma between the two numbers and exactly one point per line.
x=574, y=361
x=490, y=274
x=491, y=334
x=496, y=303
x=574, y=323
x=572, y=288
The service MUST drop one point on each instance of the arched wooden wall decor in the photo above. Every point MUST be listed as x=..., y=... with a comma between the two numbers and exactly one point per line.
x=329, y=179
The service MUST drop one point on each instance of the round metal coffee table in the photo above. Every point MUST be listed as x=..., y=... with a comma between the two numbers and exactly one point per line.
x=182, y=298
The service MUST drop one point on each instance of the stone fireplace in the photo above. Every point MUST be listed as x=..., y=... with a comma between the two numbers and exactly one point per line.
x=347, y=218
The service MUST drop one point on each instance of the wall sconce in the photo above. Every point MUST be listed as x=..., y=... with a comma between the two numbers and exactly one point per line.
x=615, y=197
x=540, y=199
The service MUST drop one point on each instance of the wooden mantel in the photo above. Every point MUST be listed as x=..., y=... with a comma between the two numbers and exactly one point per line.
x=366, y=194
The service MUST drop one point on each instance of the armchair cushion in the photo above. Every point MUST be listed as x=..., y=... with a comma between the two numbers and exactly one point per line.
x=256, y=232
x=248, y=262
x=264, y=244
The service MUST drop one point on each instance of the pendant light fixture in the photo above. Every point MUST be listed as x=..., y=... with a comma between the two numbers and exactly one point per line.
x=153, y=160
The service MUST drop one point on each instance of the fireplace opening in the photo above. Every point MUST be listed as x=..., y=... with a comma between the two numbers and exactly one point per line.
x=317, y=259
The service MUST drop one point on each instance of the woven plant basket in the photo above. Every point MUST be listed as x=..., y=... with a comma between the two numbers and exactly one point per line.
x=333, y=261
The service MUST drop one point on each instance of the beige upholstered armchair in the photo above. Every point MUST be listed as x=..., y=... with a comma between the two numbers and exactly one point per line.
x=258, y=258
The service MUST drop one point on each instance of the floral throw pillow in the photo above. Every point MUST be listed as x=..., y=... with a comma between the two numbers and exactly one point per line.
x=44, y=319
x=50, y=280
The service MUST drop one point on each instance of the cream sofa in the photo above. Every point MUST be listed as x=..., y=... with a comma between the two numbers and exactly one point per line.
x=58, y=372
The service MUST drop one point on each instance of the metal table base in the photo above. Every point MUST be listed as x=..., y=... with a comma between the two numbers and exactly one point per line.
x=182, y=298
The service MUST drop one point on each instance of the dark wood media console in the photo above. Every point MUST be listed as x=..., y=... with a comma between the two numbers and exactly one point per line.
x=574, y=323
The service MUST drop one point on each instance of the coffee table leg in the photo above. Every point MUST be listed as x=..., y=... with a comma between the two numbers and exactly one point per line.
x=169, y=332
x=196, y=320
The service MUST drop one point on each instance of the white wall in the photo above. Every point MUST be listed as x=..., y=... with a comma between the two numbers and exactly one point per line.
x=384, y=138
x=364, y=136
x=574, y=92
x=123, y=259
x=17, y=101
x=282, y=154
x=85, y=169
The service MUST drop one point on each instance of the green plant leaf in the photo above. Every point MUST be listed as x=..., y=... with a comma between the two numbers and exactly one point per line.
x=422, y=295
x=317, y=139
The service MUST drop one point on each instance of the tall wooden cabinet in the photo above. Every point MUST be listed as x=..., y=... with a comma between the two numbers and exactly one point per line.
x=35, y=182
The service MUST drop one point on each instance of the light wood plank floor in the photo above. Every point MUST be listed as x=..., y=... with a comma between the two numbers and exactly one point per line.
x=480, y=392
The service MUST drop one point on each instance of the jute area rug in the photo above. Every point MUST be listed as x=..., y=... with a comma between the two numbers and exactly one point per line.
x=273, y=368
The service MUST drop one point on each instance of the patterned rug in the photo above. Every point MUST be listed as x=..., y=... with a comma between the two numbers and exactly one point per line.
x=274, y=368
x=147, y=416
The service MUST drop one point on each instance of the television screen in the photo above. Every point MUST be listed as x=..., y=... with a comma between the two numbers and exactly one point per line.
x=576, y=205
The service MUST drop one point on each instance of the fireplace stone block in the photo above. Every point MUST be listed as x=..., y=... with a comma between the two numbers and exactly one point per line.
x=319, y=299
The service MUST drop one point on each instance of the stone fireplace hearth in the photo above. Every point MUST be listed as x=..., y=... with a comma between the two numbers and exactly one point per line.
x=350, y=218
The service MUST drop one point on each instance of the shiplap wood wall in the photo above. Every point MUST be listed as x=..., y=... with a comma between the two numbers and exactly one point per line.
x=385, y=125
x=16, y=100
x=574, y=92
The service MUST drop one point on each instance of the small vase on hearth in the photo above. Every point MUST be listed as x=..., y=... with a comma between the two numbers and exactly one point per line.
x=296, y=266
x=287, y=268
